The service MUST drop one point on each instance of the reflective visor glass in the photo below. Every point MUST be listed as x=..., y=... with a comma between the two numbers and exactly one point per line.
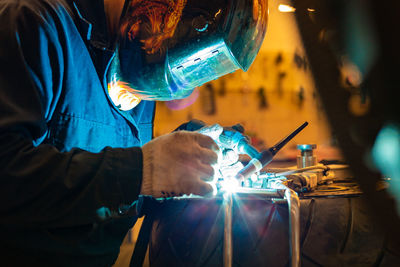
x=204, y=65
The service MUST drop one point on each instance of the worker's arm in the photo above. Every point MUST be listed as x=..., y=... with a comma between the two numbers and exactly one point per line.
x=39, y=184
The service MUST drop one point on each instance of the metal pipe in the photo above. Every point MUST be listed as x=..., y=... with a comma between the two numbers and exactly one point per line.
x=294, y=226
x=228, y=242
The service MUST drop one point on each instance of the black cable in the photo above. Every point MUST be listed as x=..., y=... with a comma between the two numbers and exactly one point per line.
x=139, y=252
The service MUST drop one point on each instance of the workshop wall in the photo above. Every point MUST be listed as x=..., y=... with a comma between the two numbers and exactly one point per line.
x=275, y=96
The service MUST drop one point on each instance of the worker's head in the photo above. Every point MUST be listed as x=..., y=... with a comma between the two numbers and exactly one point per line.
x=169, y=47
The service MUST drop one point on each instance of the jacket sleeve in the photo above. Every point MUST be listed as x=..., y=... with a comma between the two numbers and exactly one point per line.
x=39, y=184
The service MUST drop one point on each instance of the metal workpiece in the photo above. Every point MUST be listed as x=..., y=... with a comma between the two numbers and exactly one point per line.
x=248, y=221
x=228, y=215
x=293, y=203
x=256, y=164
x=306, y=157
x=294, y=226
x=228, y=235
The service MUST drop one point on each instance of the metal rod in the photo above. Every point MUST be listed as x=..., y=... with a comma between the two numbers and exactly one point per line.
x=228, y=242
x=294, y=226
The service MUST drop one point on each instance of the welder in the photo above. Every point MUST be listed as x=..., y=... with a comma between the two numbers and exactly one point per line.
x=78, y=81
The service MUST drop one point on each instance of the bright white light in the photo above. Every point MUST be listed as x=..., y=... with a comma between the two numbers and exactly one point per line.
x=286, y=8
x=230, y=185
x=214, y=187
x=254, y=177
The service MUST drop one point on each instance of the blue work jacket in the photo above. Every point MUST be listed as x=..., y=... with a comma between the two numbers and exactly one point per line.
x=70, y=161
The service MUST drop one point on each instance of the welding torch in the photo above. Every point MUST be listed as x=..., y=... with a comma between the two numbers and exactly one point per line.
x=259, y=160
x=233, y=139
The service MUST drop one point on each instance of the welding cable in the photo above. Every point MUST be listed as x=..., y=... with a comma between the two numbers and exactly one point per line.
x=330, y=166
x=316, y=167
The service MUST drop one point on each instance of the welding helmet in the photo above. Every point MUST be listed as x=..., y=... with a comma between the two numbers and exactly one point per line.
x=169, y=47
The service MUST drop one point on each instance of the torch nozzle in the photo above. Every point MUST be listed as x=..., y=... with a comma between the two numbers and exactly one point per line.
x=265, y=157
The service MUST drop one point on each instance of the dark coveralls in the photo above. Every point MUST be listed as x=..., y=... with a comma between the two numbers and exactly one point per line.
x=65, y=178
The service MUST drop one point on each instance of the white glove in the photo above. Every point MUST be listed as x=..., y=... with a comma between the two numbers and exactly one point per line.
x=178, y=163
x=228, y=159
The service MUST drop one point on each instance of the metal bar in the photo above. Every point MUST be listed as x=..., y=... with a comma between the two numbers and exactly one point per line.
x=228, y=242
x=228, y=214
x=243, y=192
x=264, y=193
x=294, y=226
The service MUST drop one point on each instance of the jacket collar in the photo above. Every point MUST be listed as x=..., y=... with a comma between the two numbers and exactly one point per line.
x=92, y=22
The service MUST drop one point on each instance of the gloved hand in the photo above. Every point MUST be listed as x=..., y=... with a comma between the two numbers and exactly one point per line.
x=227, y=139
x=228, y=163
x=178, y=163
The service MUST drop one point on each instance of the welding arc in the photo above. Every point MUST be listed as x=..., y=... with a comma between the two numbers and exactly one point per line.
x=265, y=157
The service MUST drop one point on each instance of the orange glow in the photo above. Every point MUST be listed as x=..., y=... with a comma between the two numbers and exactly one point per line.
x=122, y=95
x=157, y=20
x=255, y=10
